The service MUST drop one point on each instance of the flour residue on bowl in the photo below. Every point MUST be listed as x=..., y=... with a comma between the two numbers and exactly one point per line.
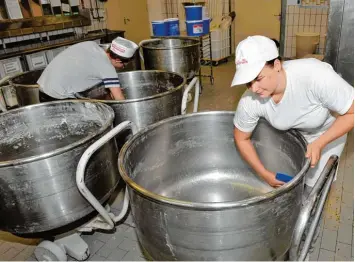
x=27, y=133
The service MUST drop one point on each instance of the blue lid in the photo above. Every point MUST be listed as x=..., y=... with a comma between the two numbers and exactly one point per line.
x=193, y=6
x=158, y=22
x=194, y=21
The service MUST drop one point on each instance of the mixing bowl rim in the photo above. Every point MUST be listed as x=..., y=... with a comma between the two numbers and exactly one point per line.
x=207, y=206
x=109, y=112
x=197, y=43
x=24, y=85
x=127, y=101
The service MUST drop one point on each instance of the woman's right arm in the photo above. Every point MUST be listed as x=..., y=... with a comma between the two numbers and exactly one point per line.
x=248, y=153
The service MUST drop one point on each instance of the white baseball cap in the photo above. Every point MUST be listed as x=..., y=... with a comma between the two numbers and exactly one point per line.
x=123, y=47
x=251, y=56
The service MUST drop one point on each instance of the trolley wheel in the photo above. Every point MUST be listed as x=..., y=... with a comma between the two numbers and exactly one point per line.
x=212, y=80
x=49, y=251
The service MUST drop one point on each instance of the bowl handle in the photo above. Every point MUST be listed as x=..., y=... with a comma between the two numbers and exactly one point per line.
x=194, y=82
x=315, y=202
x=110, y=219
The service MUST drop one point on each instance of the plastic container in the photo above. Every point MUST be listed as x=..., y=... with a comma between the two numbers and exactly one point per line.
x=173, y=26
x=204, y=12
x=194, y=28
x=37, y=60
x=206, y=25
x=193, y=12
x=160, y=28
x=306, y=43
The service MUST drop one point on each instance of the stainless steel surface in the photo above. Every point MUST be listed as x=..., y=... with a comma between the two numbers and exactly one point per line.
x=150, y=96
x=40, y=146
x=175, y=55
x=339, y=50
x=132, y=65
x=317, y=200
x=193, y=197
x=26, y=87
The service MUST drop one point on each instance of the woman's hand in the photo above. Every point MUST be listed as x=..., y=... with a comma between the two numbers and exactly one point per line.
x=270, y=178
x=314, y=152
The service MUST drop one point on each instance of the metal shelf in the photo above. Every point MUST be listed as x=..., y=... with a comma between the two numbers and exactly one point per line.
x=26, y=26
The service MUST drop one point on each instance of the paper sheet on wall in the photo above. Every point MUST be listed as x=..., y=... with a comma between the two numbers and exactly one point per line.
x=11, y=67
x=13, y=9
x=38, y=61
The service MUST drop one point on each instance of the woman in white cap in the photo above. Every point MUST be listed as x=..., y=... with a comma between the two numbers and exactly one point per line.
x=302, y=94
x=84, y=65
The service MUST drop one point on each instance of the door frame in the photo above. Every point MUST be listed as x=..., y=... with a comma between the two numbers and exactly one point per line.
x=283, y=27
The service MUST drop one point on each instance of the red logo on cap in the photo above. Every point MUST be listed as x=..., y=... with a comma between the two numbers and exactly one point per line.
x=118, y=48
x=242, y=61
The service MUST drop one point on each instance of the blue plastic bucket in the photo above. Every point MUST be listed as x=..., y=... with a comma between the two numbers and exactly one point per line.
x=193, y=12
x=173, y=26
x=206, y=25
x=194, y=28
x=160, y=28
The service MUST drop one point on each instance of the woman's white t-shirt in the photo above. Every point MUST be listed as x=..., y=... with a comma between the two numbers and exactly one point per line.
x=313, y=90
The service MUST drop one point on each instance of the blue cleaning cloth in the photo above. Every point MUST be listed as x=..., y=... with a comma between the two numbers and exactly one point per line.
x=283, y=177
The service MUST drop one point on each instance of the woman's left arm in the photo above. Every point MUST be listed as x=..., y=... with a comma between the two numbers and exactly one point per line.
x=342, y=125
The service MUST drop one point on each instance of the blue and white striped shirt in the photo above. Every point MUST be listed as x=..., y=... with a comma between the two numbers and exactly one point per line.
x=111, y=82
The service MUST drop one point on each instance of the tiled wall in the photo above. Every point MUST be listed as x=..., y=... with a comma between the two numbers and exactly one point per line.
x=305, y=19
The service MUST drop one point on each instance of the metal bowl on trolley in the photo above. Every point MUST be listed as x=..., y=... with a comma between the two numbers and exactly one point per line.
x=151, y=96
x=181, y=55
x=27, y=89
x=194, y=198
x=40, y=148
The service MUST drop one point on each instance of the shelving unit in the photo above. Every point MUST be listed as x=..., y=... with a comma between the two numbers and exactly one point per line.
x=220, y=47
x=26, y=26
x=206, y=44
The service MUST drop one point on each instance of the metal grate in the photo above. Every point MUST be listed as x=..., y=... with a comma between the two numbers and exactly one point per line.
x=305, y=19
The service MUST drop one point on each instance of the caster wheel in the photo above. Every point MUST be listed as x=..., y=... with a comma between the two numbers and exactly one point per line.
x=49, y=251
x=212, y=80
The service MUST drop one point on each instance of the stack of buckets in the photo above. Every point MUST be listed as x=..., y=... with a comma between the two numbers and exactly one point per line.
x=166, y=27
x=197, y=23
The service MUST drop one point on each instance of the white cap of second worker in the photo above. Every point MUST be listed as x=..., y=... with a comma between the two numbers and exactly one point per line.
x=123, y=47
x=251, y=56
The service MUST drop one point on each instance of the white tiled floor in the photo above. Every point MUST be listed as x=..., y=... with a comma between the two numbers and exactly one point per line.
x=335, y=241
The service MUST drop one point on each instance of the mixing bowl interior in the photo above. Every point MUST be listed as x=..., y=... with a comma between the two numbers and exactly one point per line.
x=195, y=159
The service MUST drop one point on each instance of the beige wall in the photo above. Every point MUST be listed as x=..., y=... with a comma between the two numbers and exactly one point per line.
x=155, y=10
x=256, y=17
x=130, y=16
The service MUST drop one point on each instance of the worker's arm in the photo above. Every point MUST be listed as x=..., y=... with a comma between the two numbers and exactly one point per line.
x=248, y=153
x=342, y=125
x=335, y=94
x=116, y=93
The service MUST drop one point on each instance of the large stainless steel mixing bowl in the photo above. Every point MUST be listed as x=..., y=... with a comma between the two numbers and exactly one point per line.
x=150, y=95
x=194, y=198
x=40, y=147
x=27, y=89
x=180, y=55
